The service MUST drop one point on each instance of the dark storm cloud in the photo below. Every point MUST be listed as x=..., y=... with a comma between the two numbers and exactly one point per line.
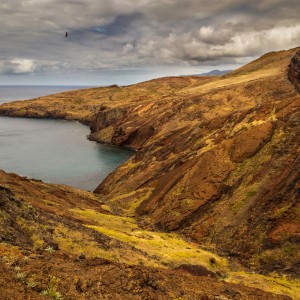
x=117, y=34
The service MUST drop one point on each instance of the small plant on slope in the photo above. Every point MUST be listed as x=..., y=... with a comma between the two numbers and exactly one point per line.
x=51, y=291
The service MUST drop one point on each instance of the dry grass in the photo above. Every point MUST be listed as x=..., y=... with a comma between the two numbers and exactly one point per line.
x=275, y=284
x=170, y=250
x=164, y=249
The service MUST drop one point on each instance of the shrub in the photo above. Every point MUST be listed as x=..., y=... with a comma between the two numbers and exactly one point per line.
x=51, y=291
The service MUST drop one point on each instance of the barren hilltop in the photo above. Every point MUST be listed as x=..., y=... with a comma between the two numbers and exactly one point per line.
x=207, y=208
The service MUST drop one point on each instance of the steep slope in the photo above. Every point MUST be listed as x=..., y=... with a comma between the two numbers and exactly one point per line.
x=220, y=163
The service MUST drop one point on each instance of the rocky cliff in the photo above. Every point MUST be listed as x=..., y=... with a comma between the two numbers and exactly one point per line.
x=294, y=70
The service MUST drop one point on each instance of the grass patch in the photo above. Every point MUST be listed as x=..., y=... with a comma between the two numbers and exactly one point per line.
x=251, y=194
x=164, y=249
x=167, y=249
x=77, y=243
x=170, y=250
x=275, y=284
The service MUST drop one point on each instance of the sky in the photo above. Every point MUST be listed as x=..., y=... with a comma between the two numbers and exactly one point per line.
x=126, y=41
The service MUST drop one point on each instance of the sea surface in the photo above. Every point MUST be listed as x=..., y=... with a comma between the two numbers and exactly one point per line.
x=10, y=93
x=55, y=151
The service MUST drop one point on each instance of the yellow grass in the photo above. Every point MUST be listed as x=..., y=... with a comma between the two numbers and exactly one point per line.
x=170, y=250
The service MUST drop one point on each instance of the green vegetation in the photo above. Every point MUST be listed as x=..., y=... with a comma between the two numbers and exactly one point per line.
x=131, y=200
x=33, y=230
x=170, y=250
x=21, y=276
x=31, y=282
x=251, y=194
x=164, y=249
x=49, y=249
x=275, y=284
x=51, y=291
x=76, y=242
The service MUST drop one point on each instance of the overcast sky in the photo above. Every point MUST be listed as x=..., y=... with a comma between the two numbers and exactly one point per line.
x=126, y=41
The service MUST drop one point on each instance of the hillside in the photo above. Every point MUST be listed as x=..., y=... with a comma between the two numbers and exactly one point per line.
x=82, y=105
x=218, y=162
x=61, y=243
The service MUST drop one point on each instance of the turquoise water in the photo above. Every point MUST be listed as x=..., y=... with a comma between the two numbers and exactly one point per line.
x=56, y=151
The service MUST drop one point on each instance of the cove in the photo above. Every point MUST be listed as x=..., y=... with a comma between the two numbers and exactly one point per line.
x=56, y=151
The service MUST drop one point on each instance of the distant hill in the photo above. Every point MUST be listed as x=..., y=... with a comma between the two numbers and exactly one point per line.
x=215, y=73
x=210, y=73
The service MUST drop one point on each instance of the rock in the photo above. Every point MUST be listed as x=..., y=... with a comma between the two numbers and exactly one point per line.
x=197, y=270
x=247, y=143
x=294, y=71
x=82, y=256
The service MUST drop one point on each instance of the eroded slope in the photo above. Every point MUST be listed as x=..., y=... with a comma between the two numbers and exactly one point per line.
x=219, y=163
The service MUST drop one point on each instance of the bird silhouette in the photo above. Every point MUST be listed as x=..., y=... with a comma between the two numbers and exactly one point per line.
x=67, y=34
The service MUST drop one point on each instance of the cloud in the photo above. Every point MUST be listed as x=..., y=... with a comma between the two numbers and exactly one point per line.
x=120, y=34
x=17, y=66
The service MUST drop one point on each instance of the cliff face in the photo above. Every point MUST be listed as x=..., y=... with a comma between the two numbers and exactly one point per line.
x=294, y=70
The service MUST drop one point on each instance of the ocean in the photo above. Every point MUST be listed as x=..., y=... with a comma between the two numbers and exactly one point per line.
x=10, y=93
x=54, y=151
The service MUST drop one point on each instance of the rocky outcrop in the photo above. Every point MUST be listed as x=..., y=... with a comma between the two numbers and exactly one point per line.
x=104, y=124
x=107, y=117
x=294, y=70
x=108, y=128
x=247, y=143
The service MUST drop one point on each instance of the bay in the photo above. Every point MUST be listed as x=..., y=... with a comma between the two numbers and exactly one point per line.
x=56, y=151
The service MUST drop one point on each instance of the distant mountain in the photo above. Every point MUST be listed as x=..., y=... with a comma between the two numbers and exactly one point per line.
x=211, y=73
x=215, y=73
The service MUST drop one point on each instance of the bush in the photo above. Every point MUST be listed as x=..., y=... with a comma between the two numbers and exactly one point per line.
x=51, y=291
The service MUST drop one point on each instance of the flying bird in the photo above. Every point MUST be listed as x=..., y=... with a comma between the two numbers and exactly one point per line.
x=67, y=34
